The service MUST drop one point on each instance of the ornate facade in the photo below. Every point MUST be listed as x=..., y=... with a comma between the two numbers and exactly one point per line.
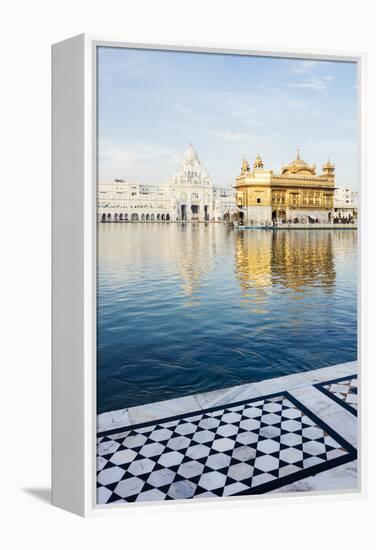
x=189, y=195
x=192, y=189
x=296, y=194
x=123, y=201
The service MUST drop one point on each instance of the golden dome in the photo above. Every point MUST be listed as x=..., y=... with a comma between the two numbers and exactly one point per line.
x=299, y=166
x=258, y=162
x=328, y=166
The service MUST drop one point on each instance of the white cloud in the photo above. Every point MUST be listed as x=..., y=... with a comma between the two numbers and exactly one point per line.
x=188, y=114
x=332, y=146
x=149, y=162
x=318, y=83
x=242, y=137
x=269, y=112
x=304, y=66
x=311, y=73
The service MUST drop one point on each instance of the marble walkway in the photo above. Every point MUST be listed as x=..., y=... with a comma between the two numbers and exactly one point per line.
x=288, y=434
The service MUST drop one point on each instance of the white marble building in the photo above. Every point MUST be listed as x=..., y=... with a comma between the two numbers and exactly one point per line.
x=192, y=189
x=224, y=203
x=345, y=203
x=188, y=195
x=125, y=201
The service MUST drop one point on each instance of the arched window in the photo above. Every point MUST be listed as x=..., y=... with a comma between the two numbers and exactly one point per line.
x=168, y=217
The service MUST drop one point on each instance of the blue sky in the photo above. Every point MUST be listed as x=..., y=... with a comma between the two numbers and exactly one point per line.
x=152, y=104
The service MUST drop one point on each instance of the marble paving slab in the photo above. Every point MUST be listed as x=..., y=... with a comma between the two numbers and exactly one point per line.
x=154, y=411
x=343, y=390
x=252, y=446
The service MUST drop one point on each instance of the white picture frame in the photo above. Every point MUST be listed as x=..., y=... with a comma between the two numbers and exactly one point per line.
x=74, y=264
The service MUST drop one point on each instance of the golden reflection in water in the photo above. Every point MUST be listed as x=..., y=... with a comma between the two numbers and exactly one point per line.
x=292, y=259
x=188, y=253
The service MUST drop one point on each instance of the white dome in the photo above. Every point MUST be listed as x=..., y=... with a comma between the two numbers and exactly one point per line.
x=190, y=154
x=191, y=171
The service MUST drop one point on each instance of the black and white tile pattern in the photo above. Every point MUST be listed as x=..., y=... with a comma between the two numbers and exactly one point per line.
x=244, y=448
x=344, y=391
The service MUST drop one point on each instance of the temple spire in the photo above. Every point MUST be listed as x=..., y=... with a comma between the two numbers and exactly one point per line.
x=245, y=165
x=258, y=164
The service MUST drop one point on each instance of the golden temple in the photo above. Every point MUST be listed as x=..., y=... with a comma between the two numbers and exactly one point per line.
x=296, y=194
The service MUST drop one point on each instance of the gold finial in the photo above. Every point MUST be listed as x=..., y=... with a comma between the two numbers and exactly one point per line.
x=329, y=167
x=298, y=154
x=245, y=164
x=258, y=162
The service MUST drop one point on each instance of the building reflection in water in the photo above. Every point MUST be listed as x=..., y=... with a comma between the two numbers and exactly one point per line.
x=188, y=253
x=183, y=252
x=188, y=308
x=190, y=250
x=292, y=259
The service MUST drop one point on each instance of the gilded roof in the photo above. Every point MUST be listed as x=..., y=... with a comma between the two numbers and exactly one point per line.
x=299, y=166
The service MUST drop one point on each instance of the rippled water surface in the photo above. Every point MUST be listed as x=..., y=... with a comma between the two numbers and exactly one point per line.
x=190, y=308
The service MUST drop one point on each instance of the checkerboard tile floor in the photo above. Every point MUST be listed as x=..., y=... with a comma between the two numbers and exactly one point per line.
x=245, y=448
x=344, y=391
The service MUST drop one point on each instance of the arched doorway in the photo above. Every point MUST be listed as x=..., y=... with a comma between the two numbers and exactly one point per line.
x=167, y=217
x=280, y=215
x=109, y=217
x=126, y=217
x=329, y=217
x=134, y=218
x=147, y=217
x=121, y=217
x=151, y=217
x=116, y=217
x=142, y=217
x=206, y=212
x=103, y=217
x=158, y=217
x=183, y=212
x=163, y=217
